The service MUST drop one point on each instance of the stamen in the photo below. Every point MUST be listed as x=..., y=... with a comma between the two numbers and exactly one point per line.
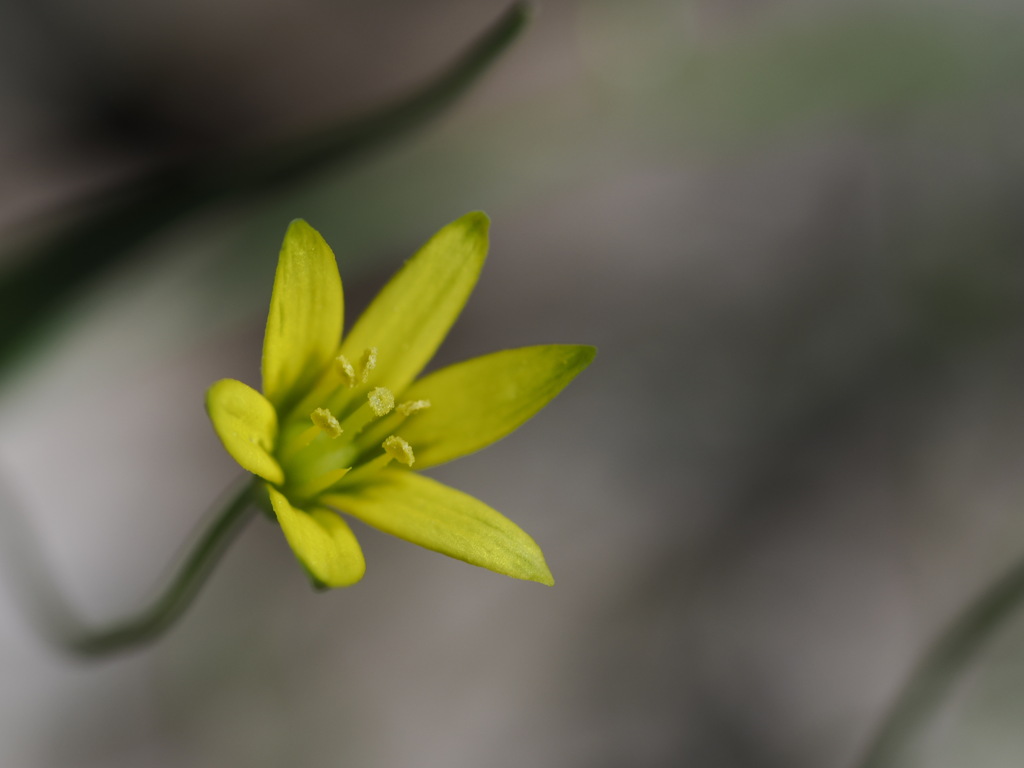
x=394, y=448
x=367, y=364
x=399, y=450
x=324, y=419
x=378, y=431
x=381, y=401
x=345, y=370
x=412, y=406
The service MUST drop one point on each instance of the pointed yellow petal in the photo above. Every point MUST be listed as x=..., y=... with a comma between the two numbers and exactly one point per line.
x=247, y=425
x=475, y=403
x=322, y=542
x=304, y=325
x=425, y=512
x=411, y=316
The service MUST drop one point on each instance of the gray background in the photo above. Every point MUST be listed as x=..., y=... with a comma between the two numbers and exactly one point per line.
x=793, y=229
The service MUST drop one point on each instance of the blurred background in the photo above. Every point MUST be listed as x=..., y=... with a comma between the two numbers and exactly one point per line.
x=792, y=228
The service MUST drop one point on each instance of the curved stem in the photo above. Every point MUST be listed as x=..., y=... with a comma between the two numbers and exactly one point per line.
x=59, y=621
x=183, y=587
x=948, y=657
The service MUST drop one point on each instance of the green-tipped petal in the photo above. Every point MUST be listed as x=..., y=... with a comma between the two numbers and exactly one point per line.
x=474, y=403
x=304, y=325
x=428, y=513
x=246, y=423
x=411, y=316
x=322, y=542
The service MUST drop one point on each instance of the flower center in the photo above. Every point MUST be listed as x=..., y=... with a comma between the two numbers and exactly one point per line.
x=335, y=446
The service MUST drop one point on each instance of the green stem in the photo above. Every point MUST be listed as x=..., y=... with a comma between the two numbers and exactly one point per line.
x=950, y=655
x=156, y=618
x=60, y=623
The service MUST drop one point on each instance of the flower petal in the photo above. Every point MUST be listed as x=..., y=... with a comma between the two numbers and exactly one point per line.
x=475, y=403
x=428, y=513
x=247, y=425
x=412, y=314
x=322, y=542
x=304, y=324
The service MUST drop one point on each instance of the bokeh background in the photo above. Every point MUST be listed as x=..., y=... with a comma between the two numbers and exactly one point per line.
x=793, y=229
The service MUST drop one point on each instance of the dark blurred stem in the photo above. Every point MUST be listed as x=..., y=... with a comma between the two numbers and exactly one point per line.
x=943, y=664
x=39, y=283
x=296, y=159
x=58, y=620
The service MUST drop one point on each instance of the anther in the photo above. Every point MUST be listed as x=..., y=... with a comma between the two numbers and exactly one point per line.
x=381, y=401
x=367, y=364
x=324, y=419
x=412, y=406
x=399, y=450
x=345, y=370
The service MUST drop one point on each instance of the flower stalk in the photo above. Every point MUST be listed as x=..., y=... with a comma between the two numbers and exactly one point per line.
x=60, y=624
x=178, y=594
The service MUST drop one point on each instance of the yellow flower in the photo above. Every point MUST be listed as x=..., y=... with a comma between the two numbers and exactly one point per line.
x=340, y=428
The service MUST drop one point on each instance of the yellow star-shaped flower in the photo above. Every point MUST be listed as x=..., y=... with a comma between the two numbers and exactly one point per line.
x=341, y=428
